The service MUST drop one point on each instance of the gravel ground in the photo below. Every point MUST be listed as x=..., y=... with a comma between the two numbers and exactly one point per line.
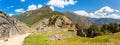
x=16, y=40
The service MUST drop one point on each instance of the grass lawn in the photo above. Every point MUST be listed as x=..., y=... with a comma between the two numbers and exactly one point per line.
x=40, y=39
x=36, y=39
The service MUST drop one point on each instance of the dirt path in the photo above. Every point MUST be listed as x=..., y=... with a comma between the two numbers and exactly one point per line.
x=16, y=40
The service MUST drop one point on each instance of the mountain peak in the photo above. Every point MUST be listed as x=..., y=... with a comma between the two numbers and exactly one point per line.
x=45, y=8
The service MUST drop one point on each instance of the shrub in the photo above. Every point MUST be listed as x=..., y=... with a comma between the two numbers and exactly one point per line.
x=93, y=31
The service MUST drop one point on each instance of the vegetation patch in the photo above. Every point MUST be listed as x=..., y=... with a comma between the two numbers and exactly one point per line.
x=36, y=39
x=41, y=39
x=94, y=30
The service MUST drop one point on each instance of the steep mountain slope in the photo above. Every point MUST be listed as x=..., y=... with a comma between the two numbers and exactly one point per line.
x=8, y=26
x=79, y=19
x=33, y=16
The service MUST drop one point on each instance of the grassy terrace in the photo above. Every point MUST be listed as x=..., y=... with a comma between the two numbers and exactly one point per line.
x=36, y=39
x=40, y=39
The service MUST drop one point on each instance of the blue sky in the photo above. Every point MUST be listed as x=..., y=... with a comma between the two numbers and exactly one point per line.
x=82, y=6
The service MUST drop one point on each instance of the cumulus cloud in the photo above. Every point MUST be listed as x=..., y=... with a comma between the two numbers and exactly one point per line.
x=115, y=16
x=39, y=5
x=117, y=10
x=104, y=12
x=22, y=0
x=21, y=10
x=11, y=14
x=61, y=3
x=32, y=7
x=52, y=8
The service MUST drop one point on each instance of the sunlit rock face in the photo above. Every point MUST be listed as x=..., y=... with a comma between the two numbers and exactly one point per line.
x=8, y=26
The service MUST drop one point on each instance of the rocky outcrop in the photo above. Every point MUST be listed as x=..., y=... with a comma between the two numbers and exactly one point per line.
x=39, y=26
x=8, y=26
x=61, y=22
x=57, y=21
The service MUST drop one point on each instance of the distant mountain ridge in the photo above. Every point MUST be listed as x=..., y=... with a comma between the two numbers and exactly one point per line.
x=105, y=20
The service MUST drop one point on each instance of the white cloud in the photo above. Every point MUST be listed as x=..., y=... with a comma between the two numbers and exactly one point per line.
x=115, y=16
x=22, y=0
x=39, y=5
x=117, y=10
x=21, y=10
x=105, y=12
x=82, y=12
x=52, y=8
x=11, y=14
x=32, y=7
x=61, y=3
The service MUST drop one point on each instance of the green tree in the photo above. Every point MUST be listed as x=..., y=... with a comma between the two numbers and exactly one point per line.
x=104, y=29
x=81, y=30
x=93, y=31
x=113, y=27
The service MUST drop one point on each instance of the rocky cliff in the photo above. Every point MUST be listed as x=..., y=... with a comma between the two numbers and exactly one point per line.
x=56, y=21
x=61, y=21
x=8, y=26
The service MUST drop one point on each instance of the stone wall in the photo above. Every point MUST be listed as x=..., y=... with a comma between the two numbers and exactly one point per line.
x=61, y=36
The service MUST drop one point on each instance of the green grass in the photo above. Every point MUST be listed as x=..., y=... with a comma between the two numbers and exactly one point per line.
x=40, y=39
x=91, y=40
x=36, y=39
